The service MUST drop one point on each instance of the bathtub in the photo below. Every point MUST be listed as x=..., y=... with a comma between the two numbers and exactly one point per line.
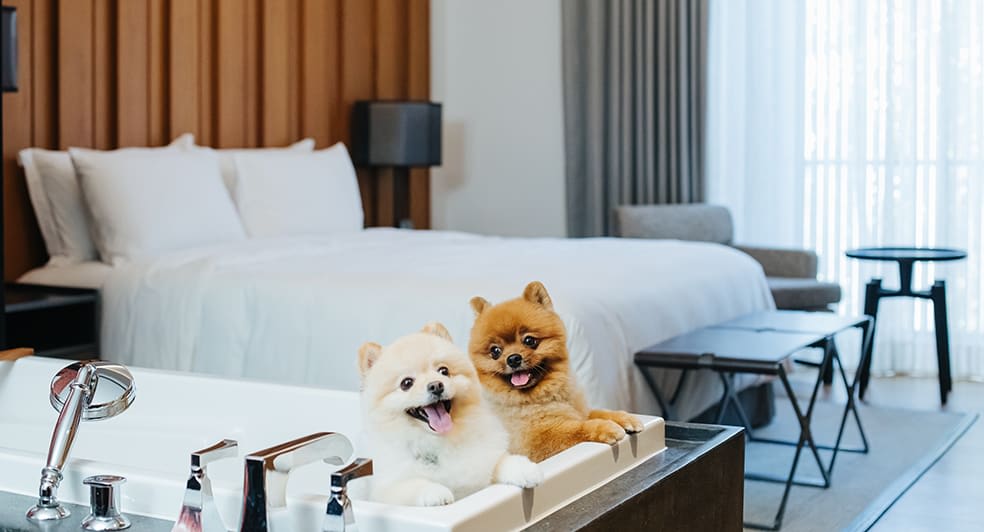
x=175, y=414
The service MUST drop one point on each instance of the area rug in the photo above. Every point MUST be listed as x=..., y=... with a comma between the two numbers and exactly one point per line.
x=904, y=444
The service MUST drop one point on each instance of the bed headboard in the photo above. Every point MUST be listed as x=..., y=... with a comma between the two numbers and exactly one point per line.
x=236, y=73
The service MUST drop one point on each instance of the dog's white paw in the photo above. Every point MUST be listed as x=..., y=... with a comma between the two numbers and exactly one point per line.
x=519, y=471
x=434, y=494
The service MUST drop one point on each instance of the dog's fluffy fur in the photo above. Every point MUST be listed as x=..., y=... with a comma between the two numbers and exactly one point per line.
x=434, y=437
x=537, y=398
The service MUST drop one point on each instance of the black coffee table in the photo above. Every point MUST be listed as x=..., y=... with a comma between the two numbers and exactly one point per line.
x=906, y=257
x=728, y=351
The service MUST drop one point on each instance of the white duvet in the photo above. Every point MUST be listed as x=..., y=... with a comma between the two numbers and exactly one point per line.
x=296, y=310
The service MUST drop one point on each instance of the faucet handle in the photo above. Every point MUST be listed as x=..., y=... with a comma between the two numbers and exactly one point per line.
x=338, y=513
x=224, y=449
x=360, y=467
x=198, y=512
x=266, y=472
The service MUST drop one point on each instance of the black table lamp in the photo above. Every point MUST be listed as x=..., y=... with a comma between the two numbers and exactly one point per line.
x=398, y=135
x=8, y=83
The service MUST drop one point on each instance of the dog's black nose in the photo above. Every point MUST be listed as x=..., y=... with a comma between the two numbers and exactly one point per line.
x=436, y=387
x=514, y=361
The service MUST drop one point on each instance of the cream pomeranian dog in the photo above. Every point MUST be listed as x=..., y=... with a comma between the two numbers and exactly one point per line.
x=433, y=437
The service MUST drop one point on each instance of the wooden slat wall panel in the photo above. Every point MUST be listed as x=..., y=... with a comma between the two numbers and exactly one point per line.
x=133, y=69
x=206, y=68
x=389, y=53
x=157, y=132
x=294, y=65
x=184, y=73
x=104, y=77
x=44, y=93
x=230, y=83
x=236, y=73
x=254, y=75
x=319, y=65
x=76, y=71
x=276, y=79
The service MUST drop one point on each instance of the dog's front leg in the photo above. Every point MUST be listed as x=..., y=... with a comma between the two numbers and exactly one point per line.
x=414, y=492
x=625, y=420
x=518, y=471
x=549, y=440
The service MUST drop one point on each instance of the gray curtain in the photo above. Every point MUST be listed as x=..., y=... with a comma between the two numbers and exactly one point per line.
x=634, y=86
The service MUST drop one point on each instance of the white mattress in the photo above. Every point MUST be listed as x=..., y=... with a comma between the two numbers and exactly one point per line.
x=296, y=310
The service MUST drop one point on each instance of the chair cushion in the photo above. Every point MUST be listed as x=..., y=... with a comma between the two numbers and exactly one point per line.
x=793, y=293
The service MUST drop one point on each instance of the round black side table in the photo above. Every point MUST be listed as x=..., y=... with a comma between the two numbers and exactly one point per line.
x=906, y=257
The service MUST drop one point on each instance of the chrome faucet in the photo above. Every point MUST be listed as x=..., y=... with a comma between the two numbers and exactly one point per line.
x=199, y=513
x=266, y=472
x=86, y=390
x=339, y=516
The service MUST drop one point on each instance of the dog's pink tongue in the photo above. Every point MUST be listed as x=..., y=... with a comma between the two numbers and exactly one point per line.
x=520, y=378
x=438, y=418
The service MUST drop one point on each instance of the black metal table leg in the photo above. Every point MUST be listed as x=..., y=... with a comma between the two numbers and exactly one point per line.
x=666, y=409
x=850, y=408
x=679, y=387
x=730, y=396
x=872, y=294
x=938, y=296
x=828, y=371
x=805, y=439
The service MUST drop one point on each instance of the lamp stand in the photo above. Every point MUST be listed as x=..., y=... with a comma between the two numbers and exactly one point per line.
x=393, y=197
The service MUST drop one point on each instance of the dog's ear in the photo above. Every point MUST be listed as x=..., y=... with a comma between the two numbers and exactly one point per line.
x=437, y=329
x=479, y=304
x=537, y=293
x=368, y=355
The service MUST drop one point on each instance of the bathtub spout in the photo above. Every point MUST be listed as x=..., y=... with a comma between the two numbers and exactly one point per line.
x=266, y=472
x=198, y=513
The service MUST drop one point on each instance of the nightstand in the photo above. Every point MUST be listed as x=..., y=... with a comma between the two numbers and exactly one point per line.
x=57, y=322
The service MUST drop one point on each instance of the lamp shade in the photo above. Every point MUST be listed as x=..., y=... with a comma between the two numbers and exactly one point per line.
x=8, y=49
x=396, y=133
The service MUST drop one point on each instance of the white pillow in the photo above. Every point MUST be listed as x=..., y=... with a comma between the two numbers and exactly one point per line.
x=284, y=194
x=58, y=204
x=227, y=158
x=145, y=203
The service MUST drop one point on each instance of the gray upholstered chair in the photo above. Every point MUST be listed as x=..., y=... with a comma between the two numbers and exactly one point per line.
x=791, y=273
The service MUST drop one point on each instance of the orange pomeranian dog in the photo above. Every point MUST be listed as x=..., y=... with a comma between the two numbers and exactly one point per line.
x=520, y=350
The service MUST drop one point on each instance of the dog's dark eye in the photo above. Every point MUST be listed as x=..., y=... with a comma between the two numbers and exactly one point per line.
x=529, y=341
x=406, y=384
x=443, y=371
x=496, y=352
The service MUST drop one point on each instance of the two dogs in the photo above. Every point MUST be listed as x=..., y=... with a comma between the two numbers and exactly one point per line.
x=444, y=425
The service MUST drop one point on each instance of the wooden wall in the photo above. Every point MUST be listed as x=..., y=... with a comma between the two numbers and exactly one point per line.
x=110, y=73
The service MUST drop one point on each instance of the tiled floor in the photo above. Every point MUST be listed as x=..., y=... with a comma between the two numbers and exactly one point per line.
x=950, y=496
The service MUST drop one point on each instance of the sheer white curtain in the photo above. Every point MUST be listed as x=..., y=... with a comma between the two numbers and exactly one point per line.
x=835, y=124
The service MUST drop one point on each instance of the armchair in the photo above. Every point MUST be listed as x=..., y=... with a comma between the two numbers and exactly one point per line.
x=791, y=273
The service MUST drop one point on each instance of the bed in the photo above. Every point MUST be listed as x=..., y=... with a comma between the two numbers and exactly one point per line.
x=254, y=263
x=295, y=310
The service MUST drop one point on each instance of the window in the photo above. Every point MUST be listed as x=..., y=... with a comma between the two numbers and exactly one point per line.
x=886, y=109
